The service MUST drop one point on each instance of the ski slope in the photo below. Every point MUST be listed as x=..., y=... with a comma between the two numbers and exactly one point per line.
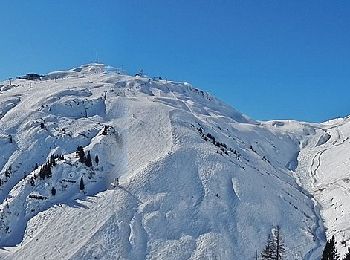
x=197, y=179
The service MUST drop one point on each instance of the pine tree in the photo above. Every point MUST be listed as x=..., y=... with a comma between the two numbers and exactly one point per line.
x=52, y=160
x=105, y=130
x=88, y=161
x=8, y=173
x=45, y=171
x=97, y=160
x=80, y=152
x=82, y=185
x=48, y=170
x=42, y=174
x=267, y=253
x=279, y=244
x=275, y=248
x=330, y=252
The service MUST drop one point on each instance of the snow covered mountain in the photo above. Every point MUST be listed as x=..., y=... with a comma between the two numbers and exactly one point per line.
x=324, y=171
x=96, y=164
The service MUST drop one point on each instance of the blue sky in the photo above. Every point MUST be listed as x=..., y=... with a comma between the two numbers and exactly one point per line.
x=269, y=59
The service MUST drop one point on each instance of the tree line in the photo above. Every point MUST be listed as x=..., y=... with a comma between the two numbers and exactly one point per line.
x=275, y=248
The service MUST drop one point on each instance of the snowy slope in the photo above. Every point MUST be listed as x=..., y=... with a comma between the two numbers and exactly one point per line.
x=197, y=179
x=324, y=171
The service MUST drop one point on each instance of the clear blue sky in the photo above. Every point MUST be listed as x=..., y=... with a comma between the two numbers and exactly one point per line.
x=269, y=59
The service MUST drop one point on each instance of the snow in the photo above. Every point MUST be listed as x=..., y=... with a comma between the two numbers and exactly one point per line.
x=197, y=178
x=324, y=172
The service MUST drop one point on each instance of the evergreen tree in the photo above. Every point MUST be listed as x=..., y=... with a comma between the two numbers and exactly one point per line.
x=81, y=154
x=330, y=252
x=105, y=130
x=48, y=170
x=42, y=174
x=52, y=160
x=275, y=248
x=8, y=173
x=97, y=160
x=82, y=185
x=267, y=253
x=53, y=191
x=45, y=171
x=279, y=244
x=88, y=161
